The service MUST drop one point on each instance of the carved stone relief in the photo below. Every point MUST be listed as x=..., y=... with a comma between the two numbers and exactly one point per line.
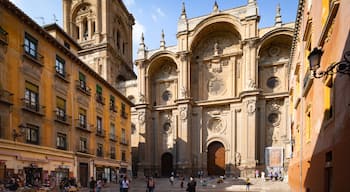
x=142, y=117
x=216, y=124
x=183, y=112
x=216, y=86
x=251, y=107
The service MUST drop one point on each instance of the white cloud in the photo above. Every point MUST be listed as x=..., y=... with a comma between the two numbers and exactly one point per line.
x=160, y=12
x=154, y=17
x=129, y=2
x=137, y=31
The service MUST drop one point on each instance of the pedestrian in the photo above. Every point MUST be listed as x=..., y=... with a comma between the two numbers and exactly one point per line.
x=99, y=185
x=256, y=173
x=125, y=184
x=191, y=186
x=182, y=178
x=171, y=179
x=263, y=176
x=151, y=184
x=121, y=183
x=92, y=184
x=247, y=184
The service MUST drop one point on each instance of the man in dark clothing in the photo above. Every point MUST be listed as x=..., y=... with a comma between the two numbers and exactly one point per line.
x=191, y=186
x=92, y=184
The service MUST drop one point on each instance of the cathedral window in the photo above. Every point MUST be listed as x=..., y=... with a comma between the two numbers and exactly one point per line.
x=273, y=82
x=85, y=29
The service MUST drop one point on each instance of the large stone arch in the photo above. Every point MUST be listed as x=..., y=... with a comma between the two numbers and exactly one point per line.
x=162, y=73
x=214, y=51
x=219, y=18
x=272, y=34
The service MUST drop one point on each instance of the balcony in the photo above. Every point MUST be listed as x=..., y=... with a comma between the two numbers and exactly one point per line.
x=113, y=108
x=81, y=86
x=33, y=107
x=6, y=97
x=99, y=153
x=101, y=133
x=124, y=142
x=100, y=99
x=33, y=55
x=82, y=125
x=124, y=115
x=62, y=118
x=3, y=36
x=64, y=76
x=81, y=149
x=112, y=137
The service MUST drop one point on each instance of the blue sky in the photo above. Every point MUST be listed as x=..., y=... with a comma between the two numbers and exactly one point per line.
x=154, y=15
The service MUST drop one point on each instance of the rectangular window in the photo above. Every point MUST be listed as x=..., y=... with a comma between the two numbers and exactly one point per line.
x=123, y=136
x=123, y=156
x=123, y=114
x=99, y=125
x=30, y=45
x=60, y=66
x=31, y=96
x=60, y=109
x=82, y=81
x=112, y=103
x=99, y=150
x=61, y=141
x=83, y=145
x=82, y=118
x=112, y=153
x=67, y=45
x=308, y=126
x=112, y=131
x=32, y=134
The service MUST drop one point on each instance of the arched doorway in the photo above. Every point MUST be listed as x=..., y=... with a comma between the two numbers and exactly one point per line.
x=167, y=164
x=216, y=159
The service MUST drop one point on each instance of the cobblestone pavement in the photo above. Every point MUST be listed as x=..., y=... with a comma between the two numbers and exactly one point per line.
x=211, y=185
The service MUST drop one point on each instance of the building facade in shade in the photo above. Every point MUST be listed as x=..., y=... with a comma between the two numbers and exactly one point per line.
x=217, y=101
x=104, y=31
x=58, y=117
x=319, y=104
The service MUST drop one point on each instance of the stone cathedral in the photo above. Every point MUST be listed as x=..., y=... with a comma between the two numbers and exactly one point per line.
x=217, y=102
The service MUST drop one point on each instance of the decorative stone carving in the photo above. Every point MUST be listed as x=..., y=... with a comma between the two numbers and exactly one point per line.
x=183, y=92
x=183, y=113
x=251, y=84
x=274, y=51
x=274, y=106
x=216, y=86
x=251, y=107
x=216, y=124
x=142, y=117
x=274, y=118
x=141, y=98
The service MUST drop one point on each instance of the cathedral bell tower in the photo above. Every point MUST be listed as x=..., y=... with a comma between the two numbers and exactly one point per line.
x=104, y=31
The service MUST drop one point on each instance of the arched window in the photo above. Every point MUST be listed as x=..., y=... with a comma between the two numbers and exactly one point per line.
x=85, y=29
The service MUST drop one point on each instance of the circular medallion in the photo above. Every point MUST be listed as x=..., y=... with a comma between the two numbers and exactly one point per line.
x=166, y=96
x=274, y=51
x=216, y=124
x=273, y=82
x=216, y=86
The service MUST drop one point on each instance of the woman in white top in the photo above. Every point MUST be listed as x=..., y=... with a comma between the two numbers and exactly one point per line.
x=125, y=184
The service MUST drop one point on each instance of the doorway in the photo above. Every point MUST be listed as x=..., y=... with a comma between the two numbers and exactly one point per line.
x=216, y=159
x=167, y=164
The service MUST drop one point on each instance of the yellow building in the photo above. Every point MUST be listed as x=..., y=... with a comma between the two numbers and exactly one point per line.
x=319, y=94
x=58, y=118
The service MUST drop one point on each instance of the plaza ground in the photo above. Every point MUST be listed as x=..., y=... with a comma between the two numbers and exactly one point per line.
x=229, y=184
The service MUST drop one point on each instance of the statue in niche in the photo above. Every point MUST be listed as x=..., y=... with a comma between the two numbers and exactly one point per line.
x=216, y=49
x=238, y=159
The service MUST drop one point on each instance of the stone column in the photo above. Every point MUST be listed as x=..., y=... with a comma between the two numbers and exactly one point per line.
x=262, y=131
x=184, y=138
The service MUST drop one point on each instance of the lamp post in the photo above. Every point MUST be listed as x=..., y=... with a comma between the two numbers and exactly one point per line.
x=342, y=66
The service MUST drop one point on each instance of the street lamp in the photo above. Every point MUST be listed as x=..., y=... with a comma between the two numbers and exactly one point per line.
x=16, y=134
x=342, y=66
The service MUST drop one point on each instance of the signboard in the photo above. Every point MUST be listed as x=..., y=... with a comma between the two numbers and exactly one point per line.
x=274, y=156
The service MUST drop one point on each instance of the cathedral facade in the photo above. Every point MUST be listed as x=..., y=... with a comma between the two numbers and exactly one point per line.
x=217, y=102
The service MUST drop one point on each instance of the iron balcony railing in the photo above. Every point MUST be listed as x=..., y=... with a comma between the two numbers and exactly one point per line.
x=100, y=99
x=81, y=86
x=83, y=125
x=31, y=106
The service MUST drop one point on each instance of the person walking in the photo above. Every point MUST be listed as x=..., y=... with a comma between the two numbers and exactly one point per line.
x=125, y=184
x=191, y=186
x=92, y=184
x=263, y=176
x=151, y=184
x=247, y=184
x=99, y=185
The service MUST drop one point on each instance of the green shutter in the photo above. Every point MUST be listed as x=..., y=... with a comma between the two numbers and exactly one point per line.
x=98, y=89
x=81, y=77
